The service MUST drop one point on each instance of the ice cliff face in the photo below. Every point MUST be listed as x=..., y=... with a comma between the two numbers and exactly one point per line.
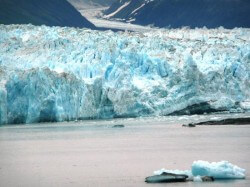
x=57, y=74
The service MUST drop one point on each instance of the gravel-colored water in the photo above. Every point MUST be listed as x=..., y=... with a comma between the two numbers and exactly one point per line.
x=92, y=153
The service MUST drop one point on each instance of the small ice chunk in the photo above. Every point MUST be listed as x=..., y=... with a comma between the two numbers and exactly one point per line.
x=25, y=37
x=218, y=170
x=178, y=172
x=197, y=179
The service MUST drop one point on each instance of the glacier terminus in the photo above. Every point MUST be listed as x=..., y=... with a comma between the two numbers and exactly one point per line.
x=52, y=74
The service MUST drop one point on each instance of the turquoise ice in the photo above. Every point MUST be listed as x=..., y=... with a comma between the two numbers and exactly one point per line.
x=217, y=170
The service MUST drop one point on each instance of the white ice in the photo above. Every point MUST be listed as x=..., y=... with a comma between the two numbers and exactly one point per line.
x=178, y=172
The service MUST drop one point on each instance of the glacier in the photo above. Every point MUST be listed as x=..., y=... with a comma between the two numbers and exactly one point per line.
x=51, y=74
x=217, y=170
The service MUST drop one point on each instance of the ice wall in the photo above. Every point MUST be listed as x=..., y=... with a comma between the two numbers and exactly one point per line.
x=57, y=74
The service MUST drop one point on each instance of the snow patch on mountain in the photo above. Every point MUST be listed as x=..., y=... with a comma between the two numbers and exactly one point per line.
x=134, y=11
x=118, y=10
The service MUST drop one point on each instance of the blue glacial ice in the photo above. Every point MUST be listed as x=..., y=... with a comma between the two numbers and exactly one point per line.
x=217, y=170
x=58, y=74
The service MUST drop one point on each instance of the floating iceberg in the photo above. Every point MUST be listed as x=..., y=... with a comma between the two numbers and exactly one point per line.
x=176, y=171
x=58, y=74
x=217, y=170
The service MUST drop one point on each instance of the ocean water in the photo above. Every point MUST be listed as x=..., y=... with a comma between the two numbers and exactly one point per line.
x=93, y=153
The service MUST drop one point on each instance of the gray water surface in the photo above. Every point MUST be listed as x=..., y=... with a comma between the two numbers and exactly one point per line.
x=92, y=153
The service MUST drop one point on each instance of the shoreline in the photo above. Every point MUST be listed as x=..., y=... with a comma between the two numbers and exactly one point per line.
x=195, y=119
x=228, y=121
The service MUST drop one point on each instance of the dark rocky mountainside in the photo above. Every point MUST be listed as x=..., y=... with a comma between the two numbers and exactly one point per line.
x=92, y=2
x=179, y=13
x=41, y=12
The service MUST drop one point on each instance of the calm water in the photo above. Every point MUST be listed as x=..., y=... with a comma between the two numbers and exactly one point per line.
x=92, y=153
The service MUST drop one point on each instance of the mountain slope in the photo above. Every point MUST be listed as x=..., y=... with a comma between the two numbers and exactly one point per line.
x=84, y=3
x=179, y=13
x=45, y=12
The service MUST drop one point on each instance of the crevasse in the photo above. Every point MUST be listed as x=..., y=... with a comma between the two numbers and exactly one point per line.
x=58, y=74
